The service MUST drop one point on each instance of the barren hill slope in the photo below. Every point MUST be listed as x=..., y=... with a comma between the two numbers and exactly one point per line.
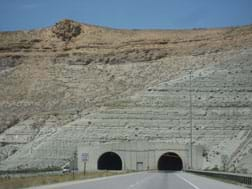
x=55, y=76
x=63, y=68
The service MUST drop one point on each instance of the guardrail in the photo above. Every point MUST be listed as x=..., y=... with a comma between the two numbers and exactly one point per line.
x=241, y=178
x=9, y=174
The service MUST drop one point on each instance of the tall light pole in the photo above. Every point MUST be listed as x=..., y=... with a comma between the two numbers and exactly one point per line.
x=191, y=126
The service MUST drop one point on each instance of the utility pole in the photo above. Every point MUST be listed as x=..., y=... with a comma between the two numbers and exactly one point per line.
x=73, y=162
x=191, y=125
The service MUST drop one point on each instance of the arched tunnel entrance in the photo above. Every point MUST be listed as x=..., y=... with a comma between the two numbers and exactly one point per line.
x=170, y=161
x=109, y=161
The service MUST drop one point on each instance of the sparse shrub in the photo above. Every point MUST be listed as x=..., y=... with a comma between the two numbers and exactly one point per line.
x=215, y=168
x=243, y=170
x=204, y=153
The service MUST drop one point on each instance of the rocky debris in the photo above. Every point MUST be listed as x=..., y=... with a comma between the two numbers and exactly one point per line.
x=133, y=56
x=8, y=150
x=66, y=30
x=21, y=133
x=10, y=61
x=8, y=122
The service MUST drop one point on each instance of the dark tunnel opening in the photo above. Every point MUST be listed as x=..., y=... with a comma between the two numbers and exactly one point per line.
x=170, y=162
x=109, y=161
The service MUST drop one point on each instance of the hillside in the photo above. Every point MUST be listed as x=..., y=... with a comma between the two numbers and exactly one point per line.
x=64, y=77
x=35, y=65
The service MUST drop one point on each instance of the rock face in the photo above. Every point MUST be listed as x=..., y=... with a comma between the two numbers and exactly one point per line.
x=66, y=30
x=74, y=86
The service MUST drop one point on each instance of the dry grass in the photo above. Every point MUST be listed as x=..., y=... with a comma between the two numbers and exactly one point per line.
x=23, y=182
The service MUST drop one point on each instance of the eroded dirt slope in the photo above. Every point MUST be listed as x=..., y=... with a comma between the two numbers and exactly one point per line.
x=70, y=67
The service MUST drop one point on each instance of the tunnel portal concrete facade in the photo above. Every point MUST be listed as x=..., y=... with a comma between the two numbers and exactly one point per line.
x=137, y=155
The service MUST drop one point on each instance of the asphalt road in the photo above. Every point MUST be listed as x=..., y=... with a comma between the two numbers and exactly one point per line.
x=147, y=180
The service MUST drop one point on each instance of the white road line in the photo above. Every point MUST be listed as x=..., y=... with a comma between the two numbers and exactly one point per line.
x=146, y=177
x=187, y=181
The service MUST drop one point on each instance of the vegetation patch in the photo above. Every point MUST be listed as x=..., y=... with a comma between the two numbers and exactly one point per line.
x=23, y=182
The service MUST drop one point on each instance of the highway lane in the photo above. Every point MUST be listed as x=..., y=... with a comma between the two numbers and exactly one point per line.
x=147, y=180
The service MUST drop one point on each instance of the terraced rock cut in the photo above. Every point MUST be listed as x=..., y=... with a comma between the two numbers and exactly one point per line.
x=76, y=84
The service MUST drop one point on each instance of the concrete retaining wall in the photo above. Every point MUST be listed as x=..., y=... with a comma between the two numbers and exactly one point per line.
x=132, y=153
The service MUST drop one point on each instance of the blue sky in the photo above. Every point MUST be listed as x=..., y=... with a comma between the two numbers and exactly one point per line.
x=131, y=14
